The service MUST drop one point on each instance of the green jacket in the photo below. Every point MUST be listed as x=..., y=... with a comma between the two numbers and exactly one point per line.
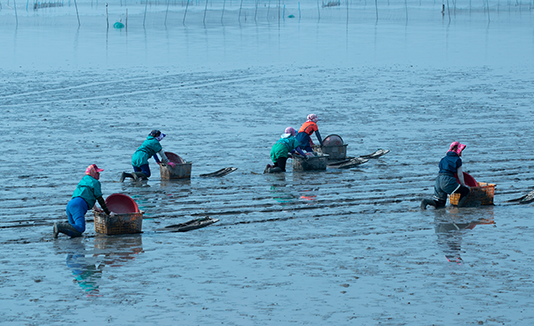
x=283, y=146
x=149, y=148
x=89, y=189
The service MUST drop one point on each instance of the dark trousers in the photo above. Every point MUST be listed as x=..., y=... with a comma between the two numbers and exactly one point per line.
x=143, y=168
x=281, y=163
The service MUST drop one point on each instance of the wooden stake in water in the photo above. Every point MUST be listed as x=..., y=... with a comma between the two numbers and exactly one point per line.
x=205, y=10
x=376, y=6
x=318, y=10
x=222, y=15
x=146, y=7
x=185, y=13
x=16, y=15
x=77, y=15
x=255, y=10
x=107, y=16
x=167, y=12
x=126, y=25
x=240, y=7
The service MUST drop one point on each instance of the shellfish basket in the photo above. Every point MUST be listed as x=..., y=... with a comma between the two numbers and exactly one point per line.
x=311, y=163
x=484, y=194
x=127, y=223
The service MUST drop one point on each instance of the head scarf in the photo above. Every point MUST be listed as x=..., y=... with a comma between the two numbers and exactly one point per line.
x=93, y=171
x=157, y=134
x=312, y=118
x=457, y=148
x=290, y=130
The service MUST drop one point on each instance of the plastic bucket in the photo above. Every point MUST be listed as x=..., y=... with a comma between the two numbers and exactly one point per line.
x=121, y=204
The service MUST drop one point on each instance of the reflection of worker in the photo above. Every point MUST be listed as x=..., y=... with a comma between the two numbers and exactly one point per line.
x=86, y=194
x=140, y=157
x=281, y=149
x=449, y=232
x=446, y=182
x=85, y=272
x=305, y=132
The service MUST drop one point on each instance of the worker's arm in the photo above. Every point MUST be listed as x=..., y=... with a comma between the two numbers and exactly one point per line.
x=319, y=137
x=103, y=205
x=461, y=176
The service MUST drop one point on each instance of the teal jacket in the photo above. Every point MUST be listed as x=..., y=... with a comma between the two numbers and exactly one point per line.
x=89, y=189
x=149, y=148
x=283, y=146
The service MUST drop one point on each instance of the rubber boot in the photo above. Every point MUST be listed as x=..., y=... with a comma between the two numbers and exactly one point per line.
x=138, y=176
x=67, y=229
x=125, y=175
x=426, y=202
x=440, y=203
x=275, y=169
x=267, y=168
x=56, y=231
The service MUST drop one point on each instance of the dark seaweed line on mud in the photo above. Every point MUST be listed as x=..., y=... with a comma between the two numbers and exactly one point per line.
x=351, y=233
x=161, y=79
x=192, y=204
x=154, y=89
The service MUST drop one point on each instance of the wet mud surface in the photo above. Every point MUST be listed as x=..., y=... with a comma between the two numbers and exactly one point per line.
x=333, y=247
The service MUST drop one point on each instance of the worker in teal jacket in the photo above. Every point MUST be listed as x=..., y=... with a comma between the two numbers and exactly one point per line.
x=281, y=149
x=84, y=197
x=140, y=157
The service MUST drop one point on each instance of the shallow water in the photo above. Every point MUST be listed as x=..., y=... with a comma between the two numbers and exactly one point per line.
x=333, y=247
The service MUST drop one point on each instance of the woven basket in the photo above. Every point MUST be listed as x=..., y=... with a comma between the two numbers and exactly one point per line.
x=119, y=224
x=484, y=194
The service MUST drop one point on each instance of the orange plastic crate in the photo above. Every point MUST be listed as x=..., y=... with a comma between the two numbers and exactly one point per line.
x=484, y=194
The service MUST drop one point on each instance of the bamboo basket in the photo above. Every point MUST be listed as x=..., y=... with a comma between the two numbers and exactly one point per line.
x=484, y=194
x=126, y=223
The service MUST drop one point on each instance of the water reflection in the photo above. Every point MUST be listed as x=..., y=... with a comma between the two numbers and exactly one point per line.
x=118, y=250
x=450, y=226
x=86, y=271
x=283, y=195
x=111, y=251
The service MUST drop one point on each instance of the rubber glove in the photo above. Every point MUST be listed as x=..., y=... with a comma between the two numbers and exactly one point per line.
x=172, y=164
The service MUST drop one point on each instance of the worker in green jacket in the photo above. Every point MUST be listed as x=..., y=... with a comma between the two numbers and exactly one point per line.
x=140, y=157
x=281, y=149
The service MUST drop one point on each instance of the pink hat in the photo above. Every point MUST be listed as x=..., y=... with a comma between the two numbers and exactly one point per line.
x=93, y=171
x=457, y=148
x=290, y=130
x=312, y=117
